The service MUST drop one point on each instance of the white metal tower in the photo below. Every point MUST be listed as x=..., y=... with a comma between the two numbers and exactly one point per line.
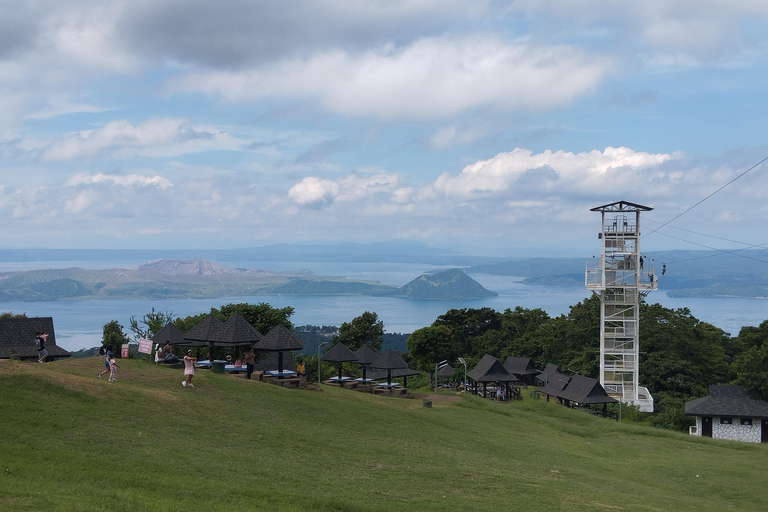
x=620, y=278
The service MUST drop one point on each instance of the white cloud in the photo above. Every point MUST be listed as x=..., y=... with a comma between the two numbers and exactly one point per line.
x=590, y=172
x=432, y=78
x=156, y=137
x=313, y=192
x=130, y=180
x=677, y=32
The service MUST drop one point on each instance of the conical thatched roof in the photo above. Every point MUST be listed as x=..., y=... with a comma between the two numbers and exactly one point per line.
x=389, y=360
x=236, y=331
x=445, y=371
x=169, y=334
x=489, y=369
x=365, y=355
x=339, y=353
x=520, y=366
x=279, y=339
x=204, y=330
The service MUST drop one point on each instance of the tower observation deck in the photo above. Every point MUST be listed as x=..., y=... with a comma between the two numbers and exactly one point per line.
x=621, y=277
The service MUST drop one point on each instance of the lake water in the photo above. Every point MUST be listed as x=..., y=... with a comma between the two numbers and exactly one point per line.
x=79, y=323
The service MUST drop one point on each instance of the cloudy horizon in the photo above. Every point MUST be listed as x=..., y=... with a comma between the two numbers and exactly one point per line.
x=488, y=126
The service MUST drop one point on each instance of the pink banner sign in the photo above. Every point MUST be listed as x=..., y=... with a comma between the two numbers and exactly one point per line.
x=145, y=346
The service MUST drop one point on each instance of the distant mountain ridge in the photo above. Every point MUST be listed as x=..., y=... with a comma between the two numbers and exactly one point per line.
x=198, y=278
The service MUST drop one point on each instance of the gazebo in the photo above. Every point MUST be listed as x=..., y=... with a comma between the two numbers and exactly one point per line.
x=522, y=368
x=396, y=374
x=445, y=372
x=339, y=354
x=489, y=369
x=17, y=337
x=200, y=335
x=365, y=356
x=279, y=340
x=389, y=361
x=235, y=332
x=577, y=391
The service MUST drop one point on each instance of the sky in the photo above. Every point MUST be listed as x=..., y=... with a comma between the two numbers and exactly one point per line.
x=488, y=127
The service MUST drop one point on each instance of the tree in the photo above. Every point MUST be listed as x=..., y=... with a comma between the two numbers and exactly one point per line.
x=261, y=316
x=467, y=323
x=364, y=329
x=429, y=345
x=751, y=365
x=150, y=323
x=113, y=335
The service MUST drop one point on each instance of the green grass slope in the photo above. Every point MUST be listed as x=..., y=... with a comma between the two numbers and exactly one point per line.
x=72, y=442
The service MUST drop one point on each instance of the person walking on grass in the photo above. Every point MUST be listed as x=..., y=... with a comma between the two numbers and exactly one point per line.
x=112, y=368
x=189, y=369
x=40, y=339
x=106, y=364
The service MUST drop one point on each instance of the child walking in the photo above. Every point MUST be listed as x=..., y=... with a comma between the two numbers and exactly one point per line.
x=189, y=369
x=112, y=369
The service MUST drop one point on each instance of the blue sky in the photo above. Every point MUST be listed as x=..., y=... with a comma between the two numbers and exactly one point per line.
x=486, y=126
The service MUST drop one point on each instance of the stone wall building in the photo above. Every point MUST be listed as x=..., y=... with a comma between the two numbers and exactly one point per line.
x=729, y=413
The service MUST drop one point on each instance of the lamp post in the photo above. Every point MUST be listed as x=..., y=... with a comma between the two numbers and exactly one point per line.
x=318, y=360
x=462, y=361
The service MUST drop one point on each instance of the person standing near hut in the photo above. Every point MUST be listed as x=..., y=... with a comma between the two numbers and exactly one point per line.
x=189, y=369
x=250, y=359
x=40, y=339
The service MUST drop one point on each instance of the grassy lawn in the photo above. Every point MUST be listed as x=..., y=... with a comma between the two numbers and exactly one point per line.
x=71, y=441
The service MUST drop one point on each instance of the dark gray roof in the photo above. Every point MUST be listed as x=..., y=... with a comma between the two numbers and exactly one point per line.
x=169, y=334
x=553, y=380
x=445, y=371
x=279, y=339
x=520, y=366
x=389, y=360
x=339, y=353
x=204, y=330
x=236, y=331
x=585, y=390
x=550, y=369
x=365, y=355
x=17, y=337
x=489, y=369
x=727, y=401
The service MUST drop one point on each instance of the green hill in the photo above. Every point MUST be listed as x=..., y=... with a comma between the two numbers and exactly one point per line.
x=448, y=284
x=71, y=441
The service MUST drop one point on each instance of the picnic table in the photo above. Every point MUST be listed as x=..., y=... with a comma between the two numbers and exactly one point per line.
x=279, y=374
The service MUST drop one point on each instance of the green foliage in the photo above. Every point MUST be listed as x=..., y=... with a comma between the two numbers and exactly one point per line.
x=751, y=368
x=261, y=316
x=9, y=314
x=468, y=323
x=429, y=345
x=114, y=336
x=362, y=330
x=150, y=323
x=669, y=413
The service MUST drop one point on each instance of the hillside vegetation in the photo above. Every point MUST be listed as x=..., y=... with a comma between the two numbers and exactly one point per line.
x=72, y=441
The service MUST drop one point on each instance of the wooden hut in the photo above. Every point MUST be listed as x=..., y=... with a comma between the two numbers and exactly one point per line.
x=17, y=338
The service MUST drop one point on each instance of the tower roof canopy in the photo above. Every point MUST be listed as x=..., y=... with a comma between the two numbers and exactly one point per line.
x=621, y=206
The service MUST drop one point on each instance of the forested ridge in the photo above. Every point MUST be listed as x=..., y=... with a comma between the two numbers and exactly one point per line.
x=680, y=356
